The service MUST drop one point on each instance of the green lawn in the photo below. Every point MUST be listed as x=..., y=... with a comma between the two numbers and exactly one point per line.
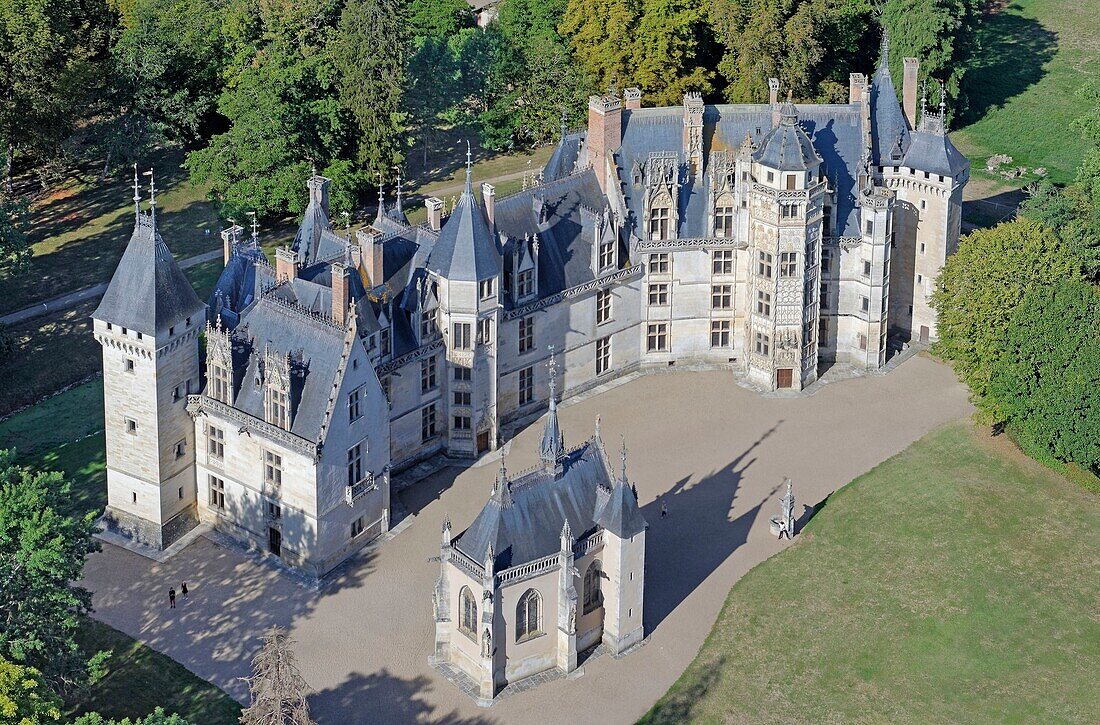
x=139, y=679
x=955, y=582
x=81, y=227
x=1032, y=57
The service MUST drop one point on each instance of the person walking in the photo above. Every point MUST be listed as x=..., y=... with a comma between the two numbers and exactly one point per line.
x=183, y=590
x=171, y=598
x=664, y=508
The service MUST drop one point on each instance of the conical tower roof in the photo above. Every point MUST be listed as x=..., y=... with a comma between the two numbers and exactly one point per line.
x=787, y=147
x=890, y=131
x=466, y=249
x=148, y=292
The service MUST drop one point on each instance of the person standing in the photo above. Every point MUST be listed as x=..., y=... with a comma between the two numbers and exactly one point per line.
x=171, y=598
x=664, y=508
x=183, y=590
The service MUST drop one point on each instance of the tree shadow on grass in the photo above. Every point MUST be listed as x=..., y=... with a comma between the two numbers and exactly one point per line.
x=679, y=704
x=683, y=549
x=1010, y=55
x=382, y=697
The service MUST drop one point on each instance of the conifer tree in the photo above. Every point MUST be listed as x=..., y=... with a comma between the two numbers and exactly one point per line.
x=277, y=688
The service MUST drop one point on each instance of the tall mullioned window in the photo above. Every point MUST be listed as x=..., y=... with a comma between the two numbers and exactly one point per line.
x=355, y=463
x=721, y=296
x=273, y=470
x=607, y=254
x=788, y=264
x=217, y=493
x=468, y=622
x=657, y=337
x=658, y=223
x=215, y=442
x=526, y=385
x=720, y=333
x=355, y=399
x=723, y=222
x=278, y=411
x=603, y=306
x=525, y=285
x=592, y=597
x=763, y=303
x=722, y=261
x=528, y=615
x=763, y=344
x=603, y=355
x=461, y=336
x=658, y=294
x=427, y=374
x=658, y=263
x=526, y=334
x=764, y=265
x=219, y=383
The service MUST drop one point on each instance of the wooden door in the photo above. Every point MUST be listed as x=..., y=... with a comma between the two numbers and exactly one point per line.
x=784, y=377
x=483, y=442
x=924, y=333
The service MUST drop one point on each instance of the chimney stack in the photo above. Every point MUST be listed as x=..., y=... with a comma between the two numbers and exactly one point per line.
x=632, y=98
x=340, y=286
x=286, y=264
x=856, y=83
x=435, y=213
x=370, y=251
x=909, y=91
x=693, y=129
x=231, y=237
x=318, y=191
x=488, y=196
x=605, y=133
x=773, y=99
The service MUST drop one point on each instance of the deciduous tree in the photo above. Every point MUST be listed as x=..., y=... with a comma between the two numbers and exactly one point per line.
x=25, y=698
x=277, y=687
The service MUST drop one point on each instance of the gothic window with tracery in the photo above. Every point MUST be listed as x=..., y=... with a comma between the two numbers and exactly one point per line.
x=658, y=223
x=468, y=622
x=528, y=615
x=723, y=221
x=592, y=597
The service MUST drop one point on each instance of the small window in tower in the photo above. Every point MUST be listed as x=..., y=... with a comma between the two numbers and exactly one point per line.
x=180, y=493
x=139, y=335
x=171, y=332
x=129, y=365
x=133, y=496
x=922, y=248
x=771, y=177
x=131, y=426
x=181, y=448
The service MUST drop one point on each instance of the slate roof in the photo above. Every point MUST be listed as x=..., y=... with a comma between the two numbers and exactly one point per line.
x=148, y=291
x=890, y=130
x=523, y=518
x=933, y=152
x=563, y=161
x=316, y=241
x=466, y=249
x=787, y=147
x=316, y=344
x=834, y=130
x=618, y=511
x=565, y=237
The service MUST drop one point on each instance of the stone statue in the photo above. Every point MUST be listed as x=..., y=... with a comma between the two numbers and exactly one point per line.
x=572, y=617
x=783, y=525
x=487, y=644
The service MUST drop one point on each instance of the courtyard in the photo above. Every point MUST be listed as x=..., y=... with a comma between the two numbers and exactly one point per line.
x=714, y=452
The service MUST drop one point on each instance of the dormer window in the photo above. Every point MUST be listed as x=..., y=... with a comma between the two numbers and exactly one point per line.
x=658, y=223
x=723, y=222
x=219, y=383
x=607, y=254
x=427, y=324
x=276, y=408
x=525, y=284
x=485, y=289
x=771, y=177
x=384, y=337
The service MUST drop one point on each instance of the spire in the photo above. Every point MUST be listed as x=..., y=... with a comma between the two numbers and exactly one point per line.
x=399, y=209
x=552, y=446
x=788, y=114
x=137, y=195
x=943, y=109
x=566, y=537
x=563, y=127
x=884, y=51
x=381, y=198
x=255, y=229
x=469, y=169
x=152, y=199
x=622, y=457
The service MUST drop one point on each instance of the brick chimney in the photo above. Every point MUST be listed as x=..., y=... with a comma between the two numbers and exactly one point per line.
x=488, y=196
x=909, y=91
x=773, y=99
x=231, y=237
x=856, y=83
x=632, y=98
x=435, y=213
x=318, y=191
x=370, y=251
x=286, y=264
x=340, y=288
x=605, y=133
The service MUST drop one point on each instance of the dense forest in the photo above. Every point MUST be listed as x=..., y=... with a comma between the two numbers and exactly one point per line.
x=258, y=91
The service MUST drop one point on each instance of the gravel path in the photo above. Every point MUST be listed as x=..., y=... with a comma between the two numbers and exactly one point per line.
x=717, y=454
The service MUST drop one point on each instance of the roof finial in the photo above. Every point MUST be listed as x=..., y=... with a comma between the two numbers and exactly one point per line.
x=884, y=58
x=564, y=118
x=137, y=194
x=398, y=169
x=152, y=198
x=503, y=470
x=381, y=197
x=552, y=365
x=943, y=109
x=622, y=455
x=255, y=228
x=469, y=168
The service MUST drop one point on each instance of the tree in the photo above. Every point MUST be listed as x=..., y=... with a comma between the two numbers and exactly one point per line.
x=277, y=688
x=25, y=698
x=1046, y=378
x=666, y=53
x=601, y=34
x=157, y=717
x=48, y=48
x=283, y=109
x=42, y=552
x=436, y=19
x=981, y=285
x=15, y=250
x=369, y=54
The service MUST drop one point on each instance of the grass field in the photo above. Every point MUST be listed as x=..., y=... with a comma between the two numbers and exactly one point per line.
x=57, y=350
x=955, y=582
x=80, y=228
x=1032, y=57
x=139, y=679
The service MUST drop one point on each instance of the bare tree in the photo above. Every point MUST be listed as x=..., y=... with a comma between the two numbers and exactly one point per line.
x=277, y=688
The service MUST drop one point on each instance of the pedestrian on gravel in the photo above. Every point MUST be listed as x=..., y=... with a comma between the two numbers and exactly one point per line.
x=664, y=508
x=183, y=590
x=171, y=598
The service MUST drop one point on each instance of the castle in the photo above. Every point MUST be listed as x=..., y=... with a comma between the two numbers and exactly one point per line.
x=767, y=240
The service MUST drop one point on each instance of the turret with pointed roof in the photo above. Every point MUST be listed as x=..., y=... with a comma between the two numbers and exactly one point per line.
x=148, y=292
x=553, y=443
x=466, y=249
x=787, y=147
x=890, y=140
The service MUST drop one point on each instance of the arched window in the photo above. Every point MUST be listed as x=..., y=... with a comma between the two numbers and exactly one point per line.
x=528, y=615
x=592, y=587
x=468, y=605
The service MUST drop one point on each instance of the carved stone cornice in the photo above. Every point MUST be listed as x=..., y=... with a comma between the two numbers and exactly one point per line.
x=580, y=289
x=409, y=357
x=202, y=405
x=661, y=245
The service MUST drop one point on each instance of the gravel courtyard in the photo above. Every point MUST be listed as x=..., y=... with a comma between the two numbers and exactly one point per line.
x=717, y=454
